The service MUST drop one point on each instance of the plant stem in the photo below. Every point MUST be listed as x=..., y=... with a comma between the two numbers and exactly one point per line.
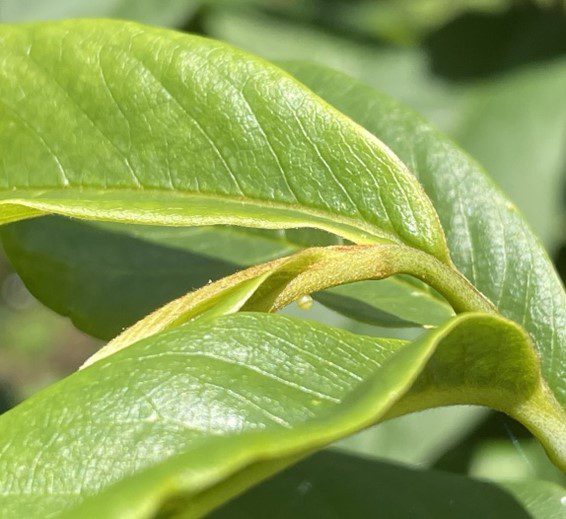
x=334, y=266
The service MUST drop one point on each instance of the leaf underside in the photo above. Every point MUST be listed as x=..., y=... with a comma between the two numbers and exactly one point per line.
x=108, y=276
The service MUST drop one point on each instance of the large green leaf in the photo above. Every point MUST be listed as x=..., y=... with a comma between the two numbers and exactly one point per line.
x=107, y=280
x=488, y=239
x=256, y=387
x=145, y=427
x=335, y=485
x=513, y=124
x=179, y=130
x=101, y=319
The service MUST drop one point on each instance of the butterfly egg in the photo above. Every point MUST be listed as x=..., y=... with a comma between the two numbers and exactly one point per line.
x=305, y=302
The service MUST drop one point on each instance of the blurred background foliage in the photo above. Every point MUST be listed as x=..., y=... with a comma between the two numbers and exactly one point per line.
x=490, y=73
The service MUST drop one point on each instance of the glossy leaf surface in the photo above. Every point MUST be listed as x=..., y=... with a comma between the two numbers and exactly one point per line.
x=488, y=239
x=179, y=130
x=258, y=392
x=244, y=387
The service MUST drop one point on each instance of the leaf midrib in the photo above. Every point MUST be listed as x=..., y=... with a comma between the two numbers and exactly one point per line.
x=239, y=200
x=10, y=196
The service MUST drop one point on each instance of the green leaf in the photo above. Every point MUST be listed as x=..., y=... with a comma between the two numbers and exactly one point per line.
x=335, y=485
x=144, y=427
x=108, y=276
x=256, y=387
x=513, y=124
x=397, y=302
x=180, y=130
x=488, y=239
x=107, y=280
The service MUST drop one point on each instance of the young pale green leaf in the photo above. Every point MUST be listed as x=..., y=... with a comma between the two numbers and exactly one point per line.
x=144, y=428
x=108, y=276
x=272, y=286
x=142, y=125
x=335, y=486
x=488, y=239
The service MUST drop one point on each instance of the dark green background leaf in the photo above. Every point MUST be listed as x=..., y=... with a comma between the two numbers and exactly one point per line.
x=106, y=277
x=336, y=485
